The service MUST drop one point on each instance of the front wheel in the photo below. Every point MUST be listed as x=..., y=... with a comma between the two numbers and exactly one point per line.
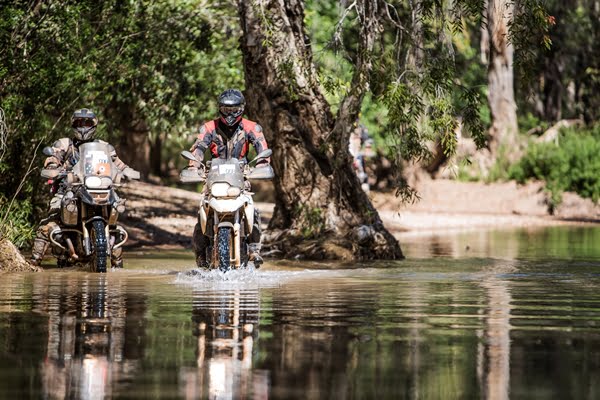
x=224, y=240
x=98, y=239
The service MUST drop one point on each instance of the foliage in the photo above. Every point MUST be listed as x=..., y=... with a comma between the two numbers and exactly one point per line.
x=570, y=165
x=313, y=224
x=565, y=76
x=17, y=228
x=157, y=64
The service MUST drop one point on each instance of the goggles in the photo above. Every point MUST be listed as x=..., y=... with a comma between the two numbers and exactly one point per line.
x=231, y=110
x=83, y=123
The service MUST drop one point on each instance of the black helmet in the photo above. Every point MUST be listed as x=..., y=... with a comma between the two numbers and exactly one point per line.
x=84, y=124
x=231, y=106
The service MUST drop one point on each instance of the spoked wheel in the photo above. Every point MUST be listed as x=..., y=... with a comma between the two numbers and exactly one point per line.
x=224, y=239
x=98, y=238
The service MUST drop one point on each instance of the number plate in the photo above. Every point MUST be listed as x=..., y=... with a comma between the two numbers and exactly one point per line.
x=225, y=169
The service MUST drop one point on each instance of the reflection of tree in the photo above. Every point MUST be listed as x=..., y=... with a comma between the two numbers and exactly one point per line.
x=493, y=365
x=87, y=337
x=226, y=326
x=403, y=340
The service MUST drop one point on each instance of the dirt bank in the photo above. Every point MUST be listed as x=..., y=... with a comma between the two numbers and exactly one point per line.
x=164, y=217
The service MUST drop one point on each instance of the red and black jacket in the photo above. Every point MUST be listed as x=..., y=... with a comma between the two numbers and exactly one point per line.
x=236, y=146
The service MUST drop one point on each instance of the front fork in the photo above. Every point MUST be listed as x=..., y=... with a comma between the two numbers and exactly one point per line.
x=236, y=242
x=113, y=213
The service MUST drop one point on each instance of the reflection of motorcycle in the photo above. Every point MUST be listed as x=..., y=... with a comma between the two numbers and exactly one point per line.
x=87, y=231
x=228, y=202
x=227, y=329
x=86, y=353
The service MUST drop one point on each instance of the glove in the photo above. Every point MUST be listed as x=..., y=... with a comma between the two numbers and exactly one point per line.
x=131, y=173
x=74, y=158
x=262, y=165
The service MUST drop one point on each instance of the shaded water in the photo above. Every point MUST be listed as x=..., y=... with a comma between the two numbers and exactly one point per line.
x=512, y=314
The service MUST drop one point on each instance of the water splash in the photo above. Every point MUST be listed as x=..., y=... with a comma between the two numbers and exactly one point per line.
x=244, y=278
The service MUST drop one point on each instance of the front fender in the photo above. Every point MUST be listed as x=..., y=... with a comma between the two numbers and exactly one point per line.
x=86, y=197
x=249, y=214
x=227, y=205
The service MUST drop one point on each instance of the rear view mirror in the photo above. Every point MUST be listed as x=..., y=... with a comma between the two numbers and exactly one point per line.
x=262, y=155
x=48, y=151
x=188, y=156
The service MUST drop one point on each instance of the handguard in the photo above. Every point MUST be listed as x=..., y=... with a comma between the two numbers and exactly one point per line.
x=131, y=173
x=191, y=176
x=265, y=172
x=49, y=173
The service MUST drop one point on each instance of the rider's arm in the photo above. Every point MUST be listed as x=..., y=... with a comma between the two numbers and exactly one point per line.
x=257, y=138
x=57, y=159
x=116, y=160
x=203, y=141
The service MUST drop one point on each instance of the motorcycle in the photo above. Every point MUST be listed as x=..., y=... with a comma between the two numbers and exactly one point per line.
x=228, y=202
x=87, y=231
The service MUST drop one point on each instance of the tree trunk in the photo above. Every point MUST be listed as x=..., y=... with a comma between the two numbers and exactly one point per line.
x=156, y=159
x=501, y=94
x=318, y=195
x=134, y=148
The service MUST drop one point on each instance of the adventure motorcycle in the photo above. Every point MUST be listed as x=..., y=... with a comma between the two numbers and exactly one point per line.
x=87, y=230
x=228, y=202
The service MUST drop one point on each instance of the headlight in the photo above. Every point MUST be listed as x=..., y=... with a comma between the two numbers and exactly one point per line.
x=233, y=191
x=219, y=189
x=93, y=181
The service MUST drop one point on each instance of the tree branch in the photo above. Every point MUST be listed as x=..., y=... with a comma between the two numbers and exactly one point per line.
x=370, y=28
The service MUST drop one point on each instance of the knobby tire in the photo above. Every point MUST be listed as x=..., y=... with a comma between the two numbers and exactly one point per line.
x=98, y=237
x=224, y=240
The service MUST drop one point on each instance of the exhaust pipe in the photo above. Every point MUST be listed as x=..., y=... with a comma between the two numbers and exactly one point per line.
x=71, y=249
x=124, y=234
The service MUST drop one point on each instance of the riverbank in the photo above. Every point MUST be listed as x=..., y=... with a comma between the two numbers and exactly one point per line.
x=164, y=217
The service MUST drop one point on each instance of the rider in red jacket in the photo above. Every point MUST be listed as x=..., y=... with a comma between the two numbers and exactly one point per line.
x=229, y=136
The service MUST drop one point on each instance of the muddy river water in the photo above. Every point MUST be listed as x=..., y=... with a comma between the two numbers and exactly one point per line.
x=495, y=314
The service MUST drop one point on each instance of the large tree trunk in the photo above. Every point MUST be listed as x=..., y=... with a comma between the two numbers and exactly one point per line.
x=318, y=195
x=134, y=148
x=501, y=95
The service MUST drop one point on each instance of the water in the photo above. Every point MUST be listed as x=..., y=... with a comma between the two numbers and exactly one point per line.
x=497, y=315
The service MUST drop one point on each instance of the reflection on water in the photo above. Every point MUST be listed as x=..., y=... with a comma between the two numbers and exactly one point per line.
x=513, y=321
x=535, y=242
x=226, y=327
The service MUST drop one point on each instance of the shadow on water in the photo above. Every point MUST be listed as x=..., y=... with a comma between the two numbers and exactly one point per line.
x=500, y=323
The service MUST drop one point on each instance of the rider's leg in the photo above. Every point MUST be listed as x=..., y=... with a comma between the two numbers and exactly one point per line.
x=200, y=244
x=254, y=244
x=40, y=245
x=42, y=237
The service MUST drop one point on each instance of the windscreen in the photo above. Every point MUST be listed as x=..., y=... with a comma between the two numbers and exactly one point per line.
x=95, y=160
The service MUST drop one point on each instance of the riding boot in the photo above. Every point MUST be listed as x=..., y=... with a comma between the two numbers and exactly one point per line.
x=200, y=243
x=116, y=258
x=39, y=249
x=254, y=254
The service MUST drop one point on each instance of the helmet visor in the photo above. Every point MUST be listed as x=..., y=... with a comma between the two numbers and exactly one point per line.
x=83, y=123
x=231, y=111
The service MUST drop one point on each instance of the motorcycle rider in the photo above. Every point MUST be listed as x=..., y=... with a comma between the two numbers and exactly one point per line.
x=228, y=137
x=66, y=155
x=361, y=147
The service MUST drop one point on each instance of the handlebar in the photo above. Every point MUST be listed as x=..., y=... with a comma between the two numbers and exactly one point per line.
x=196, y=175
